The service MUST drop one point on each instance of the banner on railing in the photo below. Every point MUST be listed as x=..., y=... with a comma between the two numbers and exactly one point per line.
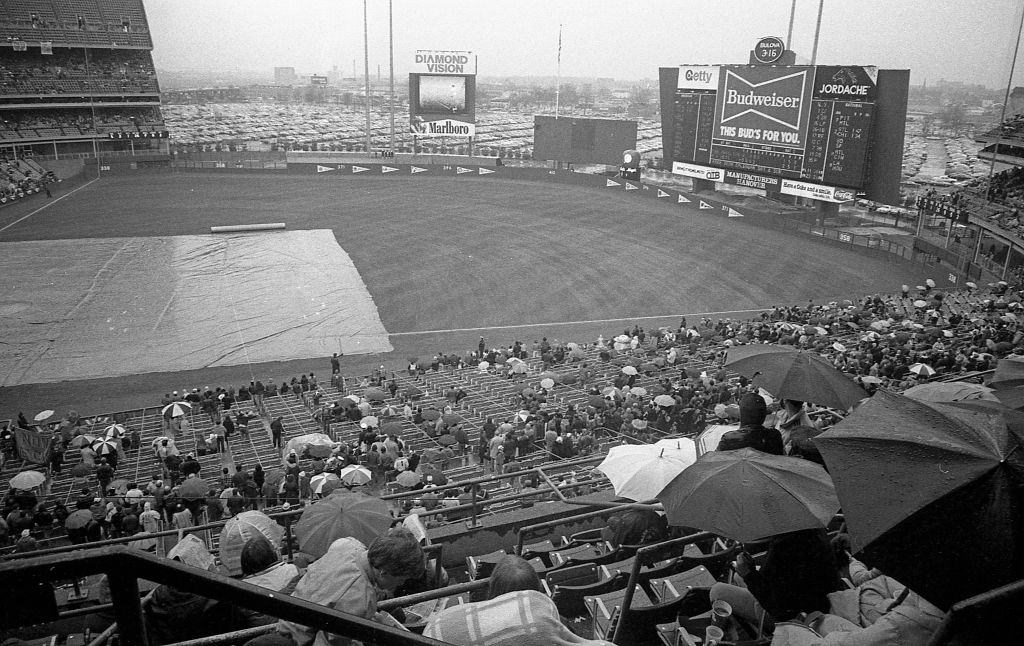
x=33, y=446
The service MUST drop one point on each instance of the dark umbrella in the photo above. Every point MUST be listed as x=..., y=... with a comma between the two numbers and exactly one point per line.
x=431, y=414
x=81, y=470
x=748, y=495
x=436, y=476
x=412, y=392
x=391, y=428
x=447, y=440
x=1009, y=373
x=339, y=515
x=78, y=519
x=928, y=490
x=193, y=489
x=374, y=394
x=795, y=374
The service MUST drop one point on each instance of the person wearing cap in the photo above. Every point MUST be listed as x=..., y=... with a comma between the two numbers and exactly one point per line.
x=752, y=432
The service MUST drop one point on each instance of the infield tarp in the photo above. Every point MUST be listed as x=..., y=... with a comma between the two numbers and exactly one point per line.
x=80, y=309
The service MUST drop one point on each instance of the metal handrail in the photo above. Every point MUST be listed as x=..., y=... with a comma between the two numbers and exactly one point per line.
x=125, y=566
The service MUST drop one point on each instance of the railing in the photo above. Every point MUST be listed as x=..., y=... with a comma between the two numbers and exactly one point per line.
x=124, y=567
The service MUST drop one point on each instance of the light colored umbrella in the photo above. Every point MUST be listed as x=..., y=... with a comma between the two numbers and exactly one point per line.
x=318, y=444
x=115, y=431
x=922, y=370
x=355, y=475
x=629, y=370
x=483, y=366
x=27, y=480
x=611, y=391
x=640, y=471
x=547, y=384
x=43, y=416
x=237, y=532
x=370, y=421
x=639, y=424
x=176, y=409
x=519, y=368
x=664, y=400
x=839, y=347
x=929, y=282
x=638, y=391
x=317, y=482
x=622, y=338
x=523, y=415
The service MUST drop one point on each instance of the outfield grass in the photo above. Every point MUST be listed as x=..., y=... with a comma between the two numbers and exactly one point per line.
x=443, y=254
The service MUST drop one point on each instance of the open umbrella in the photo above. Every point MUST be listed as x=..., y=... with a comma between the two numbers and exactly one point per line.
x=664, y=400
x=950, y=391
x=629, y=370
x=318, y=444
x=43, y=416
x=27, y=480
x=1009, y=373
x=748, y=495
x=929, y=489
x=640, y=471
x=547, y=384
x=447, y=439
x=81, y=470
x=339, y=515
x=639, y=424
x=391, y=428
x=80, y=441
x=370, y=421
x=175, y=409
x=412, y=392
x=638, y=391
x=431, y=414
x=452, y=418
x=104, y=446
x=355, y=475
x=78, y=519
x=374, y=394
x=408, y=478
x=922, y=370
x=239, y=529
x=795, y=374
x=317, y=482
x=597, y=401
x=483, y=366
x=194, y=489
x=115, y=431
x=519, y=368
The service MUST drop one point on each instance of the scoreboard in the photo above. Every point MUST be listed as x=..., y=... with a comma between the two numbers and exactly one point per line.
x=775, y=127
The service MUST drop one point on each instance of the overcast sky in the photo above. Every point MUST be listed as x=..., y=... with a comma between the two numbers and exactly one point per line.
x=967, y=40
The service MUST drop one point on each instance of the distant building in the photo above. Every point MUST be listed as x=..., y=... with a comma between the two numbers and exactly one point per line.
x=1016, y=105
x=285, y=76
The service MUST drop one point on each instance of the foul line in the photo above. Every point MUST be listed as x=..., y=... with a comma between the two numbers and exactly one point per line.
x=48, y=205
x=588, y=322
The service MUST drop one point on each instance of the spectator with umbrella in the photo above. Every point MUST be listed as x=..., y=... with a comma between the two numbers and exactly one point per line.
x=349, y=578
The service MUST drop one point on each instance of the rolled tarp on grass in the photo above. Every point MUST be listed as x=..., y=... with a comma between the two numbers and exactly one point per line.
x=241, y=228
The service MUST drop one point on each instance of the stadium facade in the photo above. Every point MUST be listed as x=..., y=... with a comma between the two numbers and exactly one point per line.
x=77, y=79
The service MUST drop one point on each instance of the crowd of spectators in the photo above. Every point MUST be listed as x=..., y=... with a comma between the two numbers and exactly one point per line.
x=76, y=122
x=70, y=71
x=880, y=341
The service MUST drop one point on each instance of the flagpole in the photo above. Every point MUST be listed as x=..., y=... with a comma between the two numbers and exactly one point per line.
x=366, y=73
x=558, y=71
x=391, y=66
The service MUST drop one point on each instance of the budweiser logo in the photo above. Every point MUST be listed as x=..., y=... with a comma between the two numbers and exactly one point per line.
x=776, y=99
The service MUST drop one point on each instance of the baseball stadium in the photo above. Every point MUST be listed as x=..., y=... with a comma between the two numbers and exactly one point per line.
x=567, y=380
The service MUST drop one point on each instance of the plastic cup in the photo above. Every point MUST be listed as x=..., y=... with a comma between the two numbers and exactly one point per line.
x=713, y=635
x=720, y=612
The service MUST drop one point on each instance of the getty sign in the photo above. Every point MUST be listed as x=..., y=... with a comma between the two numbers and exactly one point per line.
x=428, y=61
